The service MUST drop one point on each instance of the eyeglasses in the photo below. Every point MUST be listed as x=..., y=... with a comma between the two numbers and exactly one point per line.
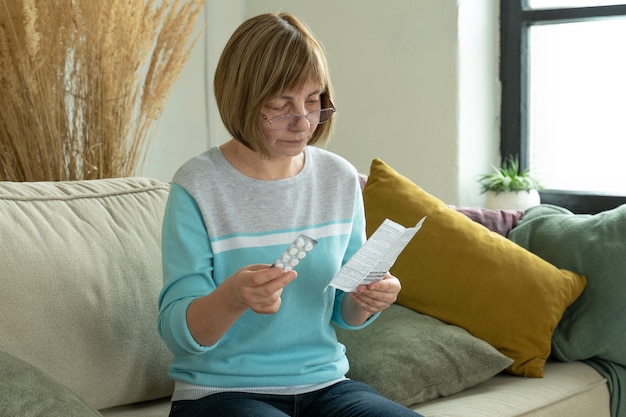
x=288, y=121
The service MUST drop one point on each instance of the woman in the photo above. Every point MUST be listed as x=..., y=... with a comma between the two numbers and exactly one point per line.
x=249, y=338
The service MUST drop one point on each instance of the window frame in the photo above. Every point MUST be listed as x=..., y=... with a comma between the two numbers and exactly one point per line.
x=515, y=19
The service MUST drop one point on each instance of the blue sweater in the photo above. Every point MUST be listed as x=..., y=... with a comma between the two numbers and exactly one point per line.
x=217, y=221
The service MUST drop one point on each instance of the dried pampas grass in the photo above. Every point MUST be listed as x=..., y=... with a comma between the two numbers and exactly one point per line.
x=82, y=83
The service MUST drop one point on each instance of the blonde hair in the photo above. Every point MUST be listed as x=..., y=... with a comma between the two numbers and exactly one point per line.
x=266, y=55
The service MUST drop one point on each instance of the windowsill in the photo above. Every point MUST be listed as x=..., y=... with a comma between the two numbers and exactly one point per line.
x=581, y=202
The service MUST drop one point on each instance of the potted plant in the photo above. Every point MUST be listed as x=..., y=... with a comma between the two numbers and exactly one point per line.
x=508, y=187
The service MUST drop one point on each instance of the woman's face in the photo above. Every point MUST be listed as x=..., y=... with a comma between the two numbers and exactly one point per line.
x=289, y=136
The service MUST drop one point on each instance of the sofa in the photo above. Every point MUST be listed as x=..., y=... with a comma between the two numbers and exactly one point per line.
x=80, y=274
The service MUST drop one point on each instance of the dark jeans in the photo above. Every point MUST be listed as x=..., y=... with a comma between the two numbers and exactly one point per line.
x=344, y=399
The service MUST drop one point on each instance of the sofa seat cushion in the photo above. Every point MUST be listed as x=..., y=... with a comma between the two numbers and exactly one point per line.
x=160, y=407
x=571, y=389
x=80, y=272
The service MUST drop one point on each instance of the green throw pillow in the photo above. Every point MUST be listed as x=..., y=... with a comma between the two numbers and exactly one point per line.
x=410, y=357
x=28, y=392
x=595, y=246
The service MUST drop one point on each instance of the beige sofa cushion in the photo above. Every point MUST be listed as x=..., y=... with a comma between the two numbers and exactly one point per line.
x=572, y=389
x=80, y=273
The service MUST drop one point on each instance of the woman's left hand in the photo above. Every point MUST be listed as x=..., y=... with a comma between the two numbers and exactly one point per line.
x=377, y=296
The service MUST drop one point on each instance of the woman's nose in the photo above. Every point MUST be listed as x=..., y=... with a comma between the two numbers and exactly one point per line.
x=302, y=123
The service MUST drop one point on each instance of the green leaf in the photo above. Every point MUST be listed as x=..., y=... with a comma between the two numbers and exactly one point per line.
x=509, y=178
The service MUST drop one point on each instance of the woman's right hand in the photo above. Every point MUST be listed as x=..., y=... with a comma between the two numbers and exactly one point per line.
x=257, y=287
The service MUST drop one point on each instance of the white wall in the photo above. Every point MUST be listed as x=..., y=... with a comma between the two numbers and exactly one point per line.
x=415, y=80
x=478, y=96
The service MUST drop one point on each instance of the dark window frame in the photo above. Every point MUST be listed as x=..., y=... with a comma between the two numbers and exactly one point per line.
x=515, y=19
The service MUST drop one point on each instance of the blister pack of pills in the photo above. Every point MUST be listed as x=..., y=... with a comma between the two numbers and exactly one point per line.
x=295, y=252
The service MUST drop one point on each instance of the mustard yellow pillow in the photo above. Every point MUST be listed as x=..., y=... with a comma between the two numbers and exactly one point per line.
x=459, y=272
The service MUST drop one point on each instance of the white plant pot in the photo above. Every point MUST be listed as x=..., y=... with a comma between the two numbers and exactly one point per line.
x=514, y=200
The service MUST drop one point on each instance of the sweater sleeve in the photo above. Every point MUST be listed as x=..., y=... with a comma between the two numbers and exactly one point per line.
x=187, y=267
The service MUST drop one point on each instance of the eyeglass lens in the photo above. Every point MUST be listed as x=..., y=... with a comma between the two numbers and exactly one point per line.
x=289, y=120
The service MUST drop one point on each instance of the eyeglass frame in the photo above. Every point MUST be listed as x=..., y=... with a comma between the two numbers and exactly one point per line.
x=306, y=116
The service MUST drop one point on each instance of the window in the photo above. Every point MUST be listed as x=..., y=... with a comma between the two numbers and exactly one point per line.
x=563, y=73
